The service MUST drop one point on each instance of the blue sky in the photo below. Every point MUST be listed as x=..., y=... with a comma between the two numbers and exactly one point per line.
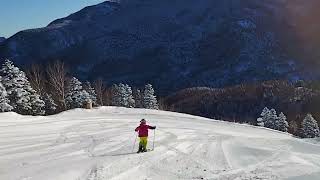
x=17, y=15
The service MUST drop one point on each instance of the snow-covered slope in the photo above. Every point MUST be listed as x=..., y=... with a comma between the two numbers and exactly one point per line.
x=97, y=145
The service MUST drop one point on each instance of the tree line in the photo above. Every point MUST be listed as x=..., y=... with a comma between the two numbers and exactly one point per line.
x=244, y=103
x=270, y=119
x=50, y=90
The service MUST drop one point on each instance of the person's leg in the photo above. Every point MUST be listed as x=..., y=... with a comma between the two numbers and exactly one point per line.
x=144, y=143
x=140, y=145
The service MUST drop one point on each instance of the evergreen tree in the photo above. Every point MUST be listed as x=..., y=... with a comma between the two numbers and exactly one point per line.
x=271, y=118
x=310, y=128
x=23, y=98
x=149, y=99
x=37, y=104
x=4, y=101
x=264, y=116
x=92, y=93
x=138, y=97
x=76, y=96
x=50, y=105
x=129, y=97
x=260, y=122
x=282, y=124
x=122, y=96
x=118, y=95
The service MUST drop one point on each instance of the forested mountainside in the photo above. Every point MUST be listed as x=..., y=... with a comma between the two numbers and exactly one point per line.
x=179, y=44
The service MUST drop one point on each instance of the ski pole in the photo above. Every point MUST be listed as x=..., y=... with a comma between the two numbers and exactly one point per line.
x=134, y=144
x=154, y=137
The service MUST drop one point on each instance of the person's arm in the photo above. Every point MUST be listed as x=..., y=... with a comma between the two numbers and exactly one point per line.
x=152, y=127
x=137, y=129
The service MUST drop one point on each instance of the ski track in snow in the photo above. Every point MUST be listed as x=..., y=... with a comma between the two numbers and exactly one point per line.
x=97, y=145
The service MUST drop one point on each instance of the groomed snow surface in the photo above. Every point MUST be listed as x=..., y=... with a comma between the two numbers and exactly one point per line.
x=97, y=145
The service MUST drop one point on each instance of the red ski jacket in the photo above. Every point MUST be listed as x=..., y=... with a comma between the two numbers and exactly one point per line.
x=143, y=130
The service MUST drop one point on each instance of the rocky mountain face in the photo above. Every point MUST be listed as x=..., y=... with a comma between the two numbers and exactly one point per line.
x=2, y=39
x=176, y=44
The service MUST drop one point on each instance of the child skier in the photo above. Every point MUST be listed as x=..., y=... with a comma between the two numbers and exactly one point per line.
x=142, y=130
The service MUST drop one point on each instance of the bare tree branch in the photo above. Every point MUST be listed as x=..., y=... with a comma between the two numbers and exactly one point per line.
x=100, y=90
x=36, y=77
x=57, y=79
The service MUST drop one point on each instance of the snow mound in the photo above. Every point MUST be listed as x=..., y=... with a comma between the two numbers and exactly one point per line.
x=98, y=144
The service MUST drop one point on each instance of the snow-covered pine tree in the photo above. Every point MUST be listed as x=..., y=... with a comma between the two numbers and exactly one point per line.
x=264, y=116
x=282, y=124
x=260, y=122
x=50, y=105
x=118, y=95
x=37, y=104
x=310, y=128
x=92, y=93
x=271, y=119
x=138, y=97
x=76, y=96
x=4, y=101
x=122, y=95
x=14, y=81
x=149, y=99
x=23, y=98
x=129, y=97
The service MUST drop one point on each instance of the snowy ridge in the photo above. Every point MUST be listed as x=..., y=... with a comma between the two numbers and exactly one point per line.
x=97, y=144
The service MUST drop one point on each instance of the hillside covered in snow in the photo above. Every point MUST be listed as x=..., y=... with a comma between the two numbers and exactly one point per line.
x=97, y=144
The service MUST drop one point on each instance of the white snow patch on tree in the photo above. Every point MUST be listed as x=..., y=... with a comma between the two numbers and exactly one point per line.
x=4, y=101
x=138, y=97
x=260, y=122
x=269, y=119
x=122, y=96
x=23, y=98
x=310, y=128
x=76, y=96
x=50, y=105
x=149, y=99
x=282, y=124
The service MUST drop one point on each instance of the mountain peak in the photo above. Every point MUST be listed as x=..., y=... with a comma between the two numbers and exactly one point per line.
x=2, y=39
x=204, y=42
x=86, y=14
